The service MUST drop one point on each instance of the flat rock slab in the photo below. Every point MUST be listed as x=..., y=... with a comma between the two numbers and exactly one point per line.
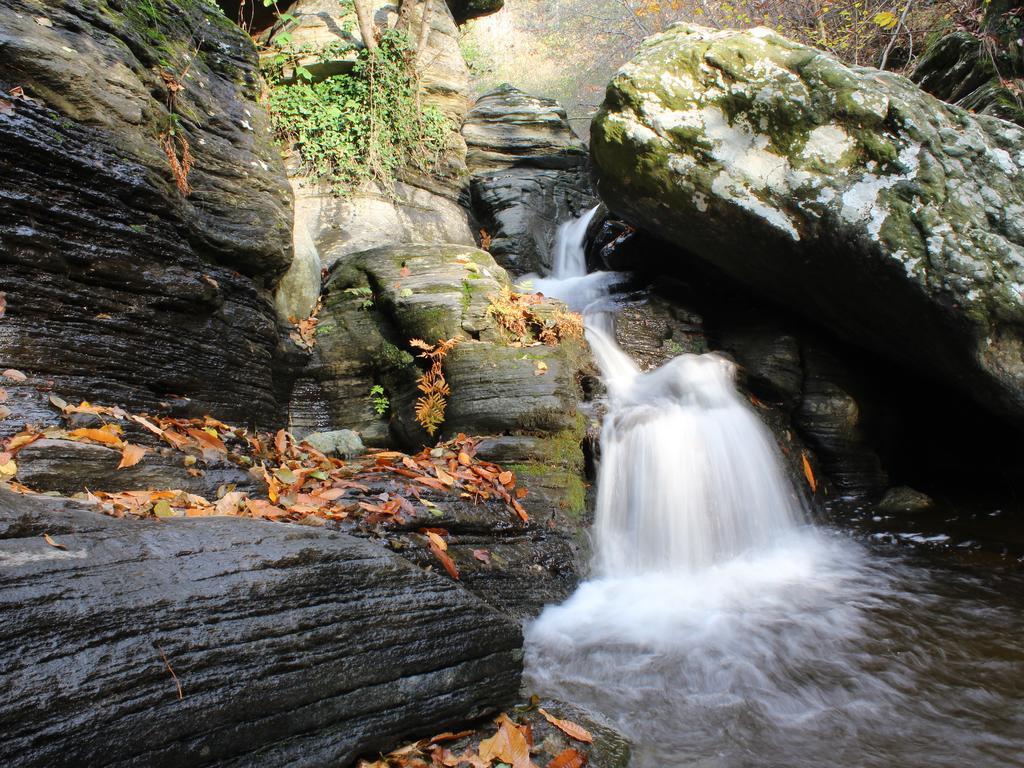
x=292, y=646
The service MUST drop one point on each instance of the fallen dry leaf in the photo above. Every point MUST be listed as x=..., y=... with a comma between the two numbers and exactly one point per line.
x=52, y=543
x=482, y=555
x=570, y=758
x=443, y=557
x=509, y=745
x=569, y=728
x=131, y=455
x=14, y=375
x=102, y=435
x=809, y=473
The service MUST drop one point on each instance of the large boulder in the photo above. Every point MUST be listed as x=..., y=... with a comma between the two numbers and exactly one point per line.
x=375, y=302
x=846, y=193
x=120, y=286
x=529, y=173
x=229, y=642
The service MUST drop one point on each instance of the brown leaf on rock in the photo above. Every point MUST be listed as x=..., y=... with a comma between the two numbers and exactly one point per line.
x=14, y=375
x=569, y=728
x=131, y=455
x=442, y=556
x=482, y=555
x=509, y=745
x=570, y=758
x=809, y=473
x=52, y=543
x=105, y=435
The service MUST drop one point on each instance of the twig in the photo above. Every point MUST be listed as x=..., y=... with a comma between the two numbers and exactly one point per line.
x=181, y=694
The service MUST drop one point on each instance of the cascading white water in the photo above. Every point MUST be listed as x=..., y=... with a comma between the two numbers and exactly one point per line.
x=721, y=632
x=689, y=475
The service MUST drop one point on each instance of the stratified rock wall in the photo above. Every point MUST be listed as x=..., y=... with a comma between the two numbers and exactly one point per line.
x=845, y=193
x=529, y=174
x=120, y=288
x=292, y=646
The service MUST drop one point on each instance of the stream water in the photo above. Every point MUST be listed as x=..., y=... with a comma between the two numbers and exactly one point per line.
x=721, y=629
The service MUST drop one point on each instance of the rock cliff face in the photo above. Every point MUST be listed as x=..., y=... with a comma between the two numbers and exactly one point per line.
x=291, y=645
x=845, y=193
x=529, y=173
x=983, y=72
x=417, y=208
x=120, y=287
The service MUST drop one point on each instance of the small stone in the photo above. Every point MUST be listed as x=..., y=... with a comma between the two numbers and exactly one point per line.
x=904, y=499
x=342, y=443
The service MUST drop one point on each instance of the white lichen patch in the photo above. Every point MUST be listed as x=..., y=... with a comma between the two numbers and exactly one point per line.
x=635, y=130
x=1003, y=160
x=827, y=143
x=860, y=202
x=744, y=154
x=732, y=190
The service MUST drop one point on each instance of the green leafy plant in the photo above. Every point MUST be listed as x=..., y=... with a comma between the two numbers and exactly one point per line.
x=366, y=125
x=379, y=399
x=363, y=293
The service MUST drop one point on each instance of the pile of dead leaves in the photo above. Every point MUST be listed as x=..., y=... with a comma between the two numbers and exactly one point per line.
x=302, y=484
x=511, y=746
x=304, y=331
x=517, y=314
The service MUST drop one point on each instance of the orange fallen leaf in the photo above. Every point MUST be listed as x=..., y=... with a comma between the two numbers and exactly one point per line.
x=104, y=435
x=809, y=473
x=442, y=556
x=464, y=459
x=570, y=758
x=131, y=455
x=569, y=728
x=506, y=478
x=52, y=543
x=14, y=375
x=444, y=477
x=509, y=745
x=437, y=540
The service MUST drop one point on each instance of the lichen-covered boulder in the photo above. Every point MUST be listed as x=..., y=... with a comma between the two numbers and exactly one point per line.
x=529, y=173
x=121, y=286
x=844, y=192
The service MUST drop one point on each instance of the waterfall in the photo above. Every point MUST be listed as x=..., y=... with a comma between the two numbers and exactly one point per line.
x=719, y=631
x=689, y=476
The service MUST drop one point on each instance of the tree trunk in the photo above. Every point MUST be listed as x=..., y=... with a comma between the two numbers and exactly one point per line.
x=292, y=646
x=424, y=37
x=367, y=30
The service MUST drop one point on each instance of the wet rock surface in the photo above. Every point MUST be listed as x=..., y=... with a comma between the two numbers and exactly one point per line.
x=315, y=647
x=844, y=193
x=528, y=174
x=119, y=287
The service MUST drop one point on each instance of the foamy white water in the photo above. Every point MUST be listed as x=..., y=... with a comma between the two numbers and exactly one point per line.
x=722, y=630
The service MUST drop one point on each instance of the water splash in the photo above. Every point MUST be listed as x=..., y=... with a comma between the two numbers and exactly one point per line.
x=689, y=476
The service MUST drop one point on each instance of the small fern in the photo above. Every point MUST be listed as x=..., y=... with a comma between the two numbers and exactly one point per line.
x=432, y=404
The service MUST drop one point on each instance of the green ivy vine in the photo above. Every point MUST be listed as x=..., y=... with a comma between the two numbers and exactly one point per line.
x=364, y=125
